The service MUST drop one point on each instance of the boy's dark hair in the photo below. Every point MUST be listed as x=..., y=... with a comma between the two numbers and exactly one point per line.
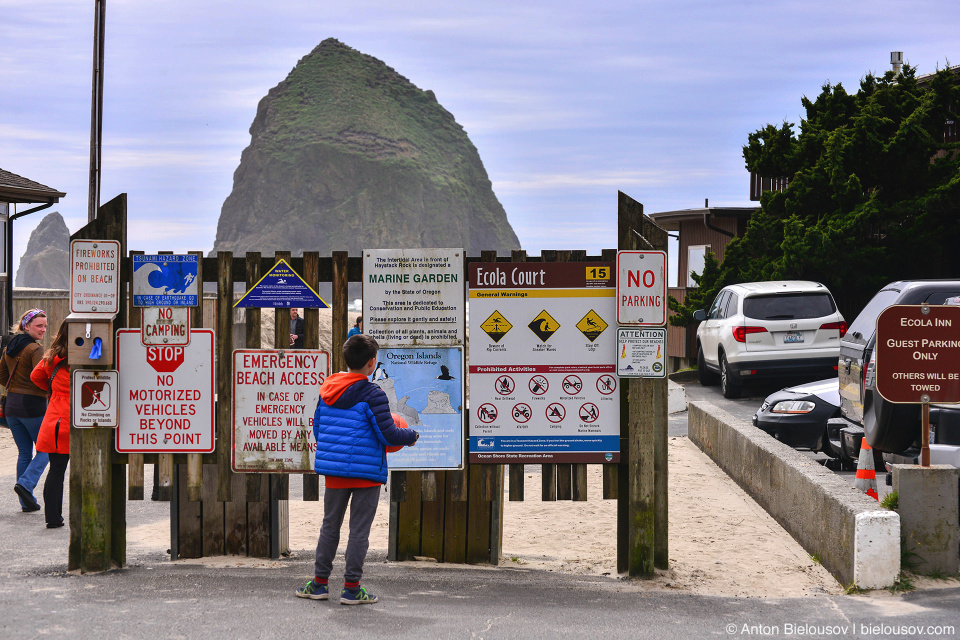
x=358, y=350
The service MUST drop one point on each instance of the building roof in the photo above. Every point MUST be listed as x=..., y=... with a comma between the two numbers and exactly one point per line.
x=670, y=220
x=14, y=188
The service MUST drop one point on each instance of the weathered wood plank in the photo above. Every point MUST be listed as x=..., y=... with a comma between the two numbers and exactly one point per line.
x=235, y=518
x=428, y=485
x=135, y=476
x=478, y=517
x=564, y=487
x=432, y=518
x=212, y=512
x=579, y=483
x=455, y=518
x=165, y=474
x=610, y=482
x=408, y=517
x=340, y=324
x=311, y=340
x=224, y=345
x=190, y=519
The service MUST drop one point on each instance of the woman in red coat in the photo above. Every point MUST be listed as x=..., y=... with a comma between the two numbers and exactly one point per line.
x=53, y=374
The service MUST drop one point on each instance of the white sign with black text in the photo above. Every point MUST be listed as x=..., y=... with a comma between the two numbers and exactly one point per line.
x=94, y=396
x=94, y=276
x=641, y=353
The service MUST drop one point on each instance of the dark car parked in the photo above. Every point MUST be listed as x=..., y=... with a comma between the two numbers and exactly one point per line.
x=797, y=416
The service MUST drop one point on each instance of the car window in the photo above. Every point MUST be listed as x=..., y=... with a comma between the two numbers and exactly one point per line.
x=866, y=323
x=731, y=306
x=717, y=305
x=940, y=297
x=789, y=306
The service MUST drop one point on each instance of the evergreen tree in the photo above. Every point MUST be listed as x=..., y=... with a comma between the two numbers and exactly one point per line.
x=874, y=193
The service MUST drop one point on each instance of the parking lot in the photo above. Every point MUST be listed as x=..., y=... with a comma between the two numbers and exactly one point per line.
x=744, y=408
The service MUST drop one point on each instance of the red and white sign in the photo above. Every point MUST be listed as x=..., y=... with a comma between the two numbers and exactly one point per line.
x=94, y=276
x=642, y=288
x=275, y=394
x=166, y=395
x=165, y=326
x=94, y=396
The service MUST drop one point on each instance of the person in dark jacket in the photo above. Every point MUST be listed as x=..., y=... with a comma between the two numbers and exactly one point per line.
x=296, y=329
x=353, y=427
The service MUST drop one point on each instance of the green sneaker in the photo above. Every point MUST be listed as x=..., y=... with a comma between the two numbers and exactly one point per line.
x=357, y=596
x=314, y=591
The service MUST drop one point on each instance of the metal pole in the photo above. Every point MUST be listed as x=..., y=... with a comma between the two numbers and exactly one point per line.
x=96, y=109
x=925, y=437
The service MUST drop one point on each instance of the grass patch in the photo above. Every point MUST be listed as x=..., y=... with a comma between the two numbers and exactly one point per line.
x=853, y=590
x=891, y=501
x=816, y=558
x=903, y=584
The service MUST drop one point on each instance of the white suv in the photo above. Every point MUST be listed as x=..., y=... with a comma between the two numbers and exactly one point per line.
x=783, y=328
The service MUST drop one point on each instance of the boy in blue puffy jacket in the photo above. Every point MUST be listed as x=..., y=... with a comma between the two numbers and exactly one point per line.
x=352, y=426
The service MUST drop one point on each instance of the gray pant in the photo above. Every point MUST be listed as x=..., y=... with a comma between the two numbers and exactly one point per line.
x=363, y=507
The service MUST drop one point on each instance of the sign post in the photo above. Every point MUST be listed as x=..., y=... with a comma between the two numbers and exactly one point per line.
x=918, y=347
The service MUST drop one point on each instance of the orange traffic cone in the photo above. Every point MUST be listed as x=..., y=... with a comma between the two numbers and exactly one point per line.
x=866, y=474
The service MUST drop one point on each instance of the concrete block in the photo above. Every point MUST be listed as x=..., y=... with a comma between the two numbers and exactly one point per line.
x=876, y=556
x=928, y=515
x=818, y=508
x=676, y=397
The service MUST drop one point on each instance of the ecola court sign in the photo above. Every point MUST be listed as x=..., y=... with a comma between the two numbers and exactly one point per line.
x=918, y=348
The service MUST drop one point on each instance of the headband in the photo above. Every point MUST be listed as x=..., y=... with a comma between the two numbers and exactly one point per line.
x=30, y=315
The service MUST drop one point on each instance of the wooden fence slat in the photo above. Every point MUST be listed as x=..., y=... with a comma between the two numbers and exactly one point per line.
x=610, y=482
x=428, y=485
x=478, y=517
x=224, y=345
x=408, y=515
x=432, y=520
x=311, y=340
x=165, y=476
x=455, y=518
x=212, y=513
x=190, y=520
x=258, y=515
x=564, y=487
x=235, y=517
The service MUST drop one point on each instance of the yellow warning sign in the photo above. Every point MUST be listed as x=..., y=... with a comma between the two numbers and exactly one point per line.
x=496, y=326
x=544, y=325
x=591, y=325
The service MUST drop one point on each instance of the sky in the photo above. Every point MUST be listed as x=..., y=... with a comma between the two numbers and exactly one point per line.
x=567, y=102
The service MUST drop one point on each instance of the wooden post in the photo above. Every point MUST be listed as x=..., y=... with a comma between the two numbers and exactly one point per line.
x=195, y=460
x=97, y=489
x=644, y=413
x=311, y=340
x=224, y=346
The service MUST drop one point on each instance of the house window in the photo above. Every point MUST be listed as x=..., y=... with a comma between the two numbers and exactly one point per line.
x=696, y=255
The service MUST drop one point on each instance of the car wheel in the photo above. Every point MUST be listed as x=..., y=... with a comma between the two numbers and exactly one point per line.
x=729, y=385
x=707, y=378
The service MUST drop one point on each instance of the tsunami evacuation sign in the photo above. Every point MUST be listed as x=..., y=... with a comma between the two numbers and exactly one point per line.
x=165, y=280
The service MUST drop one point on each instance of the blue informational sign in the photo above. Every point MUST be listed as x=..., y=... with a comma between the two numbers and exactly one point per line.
x=165, y=280
x=281, y=287
x=425, y=386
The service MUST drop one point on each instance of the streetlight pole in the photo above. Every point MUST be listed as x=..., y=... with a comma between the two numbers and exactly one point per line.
x=96, y=109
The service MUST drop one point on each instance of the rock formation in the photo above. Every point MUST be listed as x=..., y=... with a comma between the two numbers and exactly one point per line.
x=46, y=262
x=347, y=154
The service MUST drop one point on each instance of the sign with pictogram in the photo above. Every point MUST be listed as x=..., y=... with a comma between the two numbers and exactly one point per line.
x=166, y=399
x=544, y=326
x=591, y=325
x=641, y=353
x=642, y=287
x=94, y=276
x=165, y=326
x=505, y=385
x=95, y=395
x=549, y=394
x=281, y=287
x=918, y=348
x=496, y=326
x=275, y=394
x=166, y=280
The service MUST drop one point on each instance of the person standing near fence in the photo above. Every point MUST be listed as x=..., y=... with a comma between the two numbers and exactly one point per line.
x=353, y=427
x=53, y=374
x=296, y=329
x=357, y=328
x=26, y=402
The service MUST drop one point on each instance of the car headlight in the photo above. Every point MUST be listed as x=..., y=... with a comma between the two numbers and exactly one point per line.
x=794, y=406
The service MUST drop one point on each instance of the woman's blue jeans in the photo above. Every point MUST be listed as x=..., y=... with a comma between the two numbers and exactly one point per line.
x=29, y=466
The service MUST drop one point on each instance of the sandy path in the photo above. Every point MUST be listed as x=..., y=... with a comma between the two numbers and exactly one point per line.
x=721, y=542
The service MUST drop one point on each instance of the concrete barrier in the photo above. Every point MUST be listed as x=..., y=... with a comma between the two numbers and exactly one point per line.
x=855, y=540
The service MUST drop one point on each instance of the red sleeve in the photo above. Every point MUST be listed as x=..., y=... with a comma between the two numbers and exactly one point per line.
x=40, y=376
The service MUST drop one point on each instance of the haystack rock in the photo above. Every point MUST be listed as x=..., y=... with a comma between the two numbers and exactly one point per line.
x=46, y=262
x=347, y=154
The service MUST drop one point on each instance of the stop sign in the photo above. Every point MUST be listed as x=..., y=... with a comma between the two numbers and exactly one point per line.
x=165, y=359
